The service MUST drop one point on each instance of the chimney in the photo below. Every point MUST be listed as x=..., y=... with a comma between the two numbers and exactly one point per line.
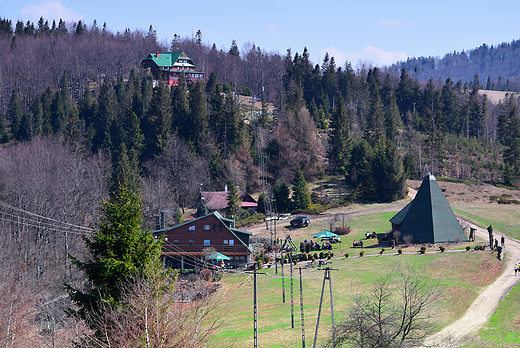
x=162, y=220
x=157, y=223
x=225, y=188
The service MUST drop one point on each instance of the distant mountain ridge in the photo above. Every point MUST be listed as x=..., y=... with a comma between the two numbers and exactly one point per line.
x=497, y=66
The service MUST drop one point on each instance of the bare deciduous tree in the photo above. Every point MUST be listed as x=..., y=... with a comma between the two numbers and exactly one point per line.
x=399, y=315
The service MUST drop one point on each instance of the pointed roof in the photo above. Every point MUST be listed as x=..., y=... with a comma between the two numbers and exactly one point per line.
x=429, y=218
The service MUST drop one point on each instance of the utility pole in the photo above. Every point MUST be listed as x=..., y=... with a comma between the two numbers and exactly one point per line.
x=255, y=306
x=301, y=306
x=325, y=277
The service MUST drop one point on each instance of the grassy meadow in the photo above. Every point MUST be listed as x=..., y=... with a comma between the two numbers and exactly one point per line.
x=460, y=274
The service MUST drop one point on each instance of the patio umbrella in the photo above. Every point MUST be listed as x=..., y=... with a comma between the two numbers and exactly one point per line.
x=325, y=234
x=218, y=257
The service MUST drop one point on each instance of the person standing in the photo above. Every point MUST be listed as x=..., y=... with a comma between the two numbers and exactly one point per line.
x=503, y=241
x=516, y=269
x=490, y=232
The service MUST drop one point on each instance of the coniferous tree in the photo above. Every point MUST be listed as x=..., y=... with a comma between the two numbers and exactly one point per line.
x=180, y=107
x=199, y=123
x=281, y=197
x=4, y=134
x=14, y=115
x=301, y=195
x=157, y=122
x=340, y=138
x=119, y=249
x=374, y=130
x=233, y=197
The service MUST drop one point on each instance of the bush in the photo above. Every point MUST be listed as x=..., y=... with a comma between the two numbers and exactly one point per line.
x=205, y=274
x=442, y=248
x=346, y=255
x=423, y=250
x=322, y=255
x=382, y=251
x=361, y=253
x=400, y=251
x=468, y=248
x=342, y=230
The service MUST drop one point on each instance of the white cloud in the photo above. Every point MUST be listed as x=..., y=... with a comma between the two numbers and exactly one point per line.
x=272, y=28
x=376, y=56
x=50, y=11
x=370, y=54
x=388, y=23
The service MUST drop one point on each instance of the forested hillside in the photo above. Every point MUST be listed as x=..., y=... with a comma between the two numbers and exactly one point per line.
x=497, y=65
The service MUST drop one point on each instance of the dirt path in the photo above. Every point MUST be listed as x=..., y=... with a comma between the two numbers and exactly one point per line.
x=463, y=330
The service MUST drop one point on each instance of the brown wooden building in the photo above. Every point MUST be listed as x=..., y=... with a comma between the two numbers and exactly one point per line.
x=188, y=245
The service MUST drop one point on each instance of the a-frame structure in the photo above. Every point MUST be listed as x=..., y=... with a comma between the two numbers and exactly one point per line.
x=429, y=218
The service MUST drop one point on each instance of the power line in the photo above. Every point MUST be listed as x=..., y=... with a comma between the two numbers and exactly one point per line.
x=44, y=217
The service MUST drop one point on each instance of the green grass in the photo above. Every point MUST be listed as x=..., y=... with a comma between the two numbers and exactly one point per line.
x=504, y=218
x=502, y=329
x=353, y=275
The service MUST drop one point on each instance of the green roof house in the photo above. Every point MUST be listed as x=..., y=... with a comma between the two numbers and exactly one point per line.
x=169, y=66
x=429, y=218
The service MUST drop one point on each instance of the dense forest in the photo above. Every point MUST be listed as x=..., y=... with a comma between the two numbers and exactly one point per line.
x=498, y=65
x=78, y=116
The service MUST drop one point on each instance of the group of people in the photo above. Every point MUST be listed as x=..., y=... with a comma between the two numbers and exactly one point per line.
x=369, y=235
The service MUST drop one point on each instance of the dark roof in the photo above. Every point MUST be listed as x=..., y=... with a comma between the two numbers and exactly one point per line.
x=398, y=218
x=241, y=235
x=429, y=218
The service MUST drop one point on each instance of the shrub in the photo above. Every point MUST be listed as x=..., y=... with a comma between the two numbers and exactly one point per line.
x=361, y=253
x=400, y=251
x=442, y=248
x=322, y=255
x=331, y=255
x=266, y=259
x=468, y=248
x=342, y=230
x=382, y=251
x=423, y=250
x=346, y=255
x=205, y=274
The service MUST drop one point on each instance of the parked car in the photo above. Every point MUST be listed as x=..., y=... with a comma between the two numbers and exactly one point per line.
x=300, y=221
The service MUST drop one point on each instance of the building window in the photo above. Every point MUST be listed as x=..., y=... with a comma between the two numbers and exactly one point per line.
x=191, y=242
x=207, y=242
x=242, y=258
x=225, y=241
x=192, y=228
x=176, y=242
x=207, y=227
x=231, y=242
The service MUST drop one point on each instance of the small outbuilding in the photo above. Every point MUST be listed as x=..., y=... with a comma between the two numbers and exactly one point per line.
x=429, y=217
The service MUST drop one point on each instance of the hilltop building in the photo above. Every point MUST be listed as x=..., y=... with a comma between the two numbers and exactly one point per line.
x=429, y=217
x=169, y=66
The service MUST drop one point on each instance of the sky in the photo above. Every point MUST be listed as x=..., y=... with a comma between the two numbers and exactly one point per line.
x=369, y=31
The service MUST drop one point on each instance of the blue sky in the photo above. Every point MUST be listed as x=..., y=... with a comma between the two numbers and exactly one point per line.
x=380, y=32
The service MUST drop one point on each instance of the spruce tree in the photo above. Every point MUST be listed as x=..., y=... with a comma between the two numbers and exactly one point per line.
x=119, y=249
x=301, y=195
x=340, y=138
x=233, y=205
x=14, y=115
x=281, y=194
